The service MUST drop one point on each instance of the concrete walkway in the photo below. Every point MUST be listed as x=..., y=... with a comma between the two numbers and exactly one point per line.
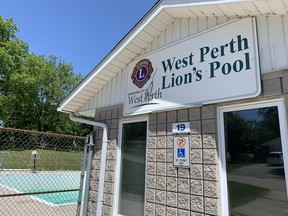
x=273, y=203
x=27, y=206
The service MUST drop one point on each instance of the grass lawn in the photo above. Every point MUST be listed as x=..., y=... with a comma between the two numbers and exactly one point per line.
x=241, y=194
x=47, y=160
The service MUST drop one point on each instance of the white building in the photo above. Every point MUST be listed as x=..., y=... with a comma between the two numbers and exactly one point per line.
x=190, y=96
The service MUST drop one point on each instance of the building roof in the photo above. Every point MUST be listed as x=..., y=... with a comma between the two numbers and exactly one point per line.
x=157, y=19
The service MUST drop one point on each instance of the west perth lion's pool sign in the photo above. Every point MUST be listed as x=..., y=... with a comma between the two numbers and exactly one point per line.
x=218, y=65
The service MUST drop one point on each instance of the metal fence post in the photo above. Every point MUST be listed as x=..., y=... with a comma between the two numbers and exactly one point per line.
x=83, y=165
x=88, y=173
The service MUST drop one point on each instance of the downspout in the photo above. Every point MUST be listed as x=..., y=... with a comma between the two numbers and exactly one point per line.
x=102, y=163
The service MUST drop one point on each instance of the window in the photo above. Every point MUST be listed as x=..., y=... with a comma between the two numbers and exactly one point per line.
x=131, y=166
x=255, y=143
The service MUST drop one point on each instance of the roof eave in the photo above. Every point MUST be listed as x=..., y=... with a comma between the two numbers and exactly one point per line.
x=147, y=18
x=108, y=58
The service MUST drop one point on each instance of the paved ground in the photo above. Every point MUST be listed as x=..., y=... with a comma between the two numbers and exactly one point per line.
x=27, y=206
x=273, y=203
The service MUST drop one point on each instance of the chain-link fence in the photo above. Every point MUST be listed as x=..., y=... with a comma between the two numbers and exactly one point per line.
x=40, y=173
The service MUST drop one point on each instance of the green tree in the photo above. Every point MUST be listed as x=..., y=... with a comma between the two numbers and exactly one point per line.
x=32, y=86
x=239, y=134
x=12, y=53
x=269, y=127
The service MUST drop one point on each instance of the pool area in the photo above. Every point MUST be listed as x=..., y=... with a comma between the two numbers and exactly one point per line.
x=45, y=182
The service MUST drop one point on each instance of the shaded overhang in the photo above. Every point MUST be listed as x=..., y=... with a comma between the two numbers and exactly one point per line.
x=161, y=15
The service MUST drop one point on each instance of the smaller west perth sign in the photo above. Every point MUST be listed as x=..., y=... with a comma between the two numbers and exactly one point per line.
x=218, y=65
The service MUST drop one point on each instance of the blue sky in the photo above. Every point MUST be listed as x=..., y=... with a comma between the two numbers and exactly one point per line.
x=80, y=32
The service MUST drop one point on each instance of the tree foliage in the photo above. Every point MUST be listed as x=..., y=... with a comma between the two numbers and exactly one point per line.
x=249, y=137
x=32, y=86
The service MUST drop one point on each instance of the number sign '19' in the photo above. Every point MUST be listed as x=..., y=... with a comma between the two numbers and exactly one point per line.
x=181, y=127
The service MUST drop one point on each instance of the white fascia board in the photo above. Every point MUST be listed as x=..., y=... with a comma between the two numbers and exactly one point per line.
x=125, y=41
x=188, y=3
x=133, y=33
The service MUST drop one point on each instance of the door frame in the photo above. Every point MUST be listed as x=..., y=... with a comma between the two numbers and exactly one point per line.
x=118, y=161
x=279, y=103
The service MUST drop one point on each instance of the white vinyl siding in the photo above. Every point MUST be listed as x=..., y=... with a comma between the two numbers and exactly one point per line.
x=272, y=38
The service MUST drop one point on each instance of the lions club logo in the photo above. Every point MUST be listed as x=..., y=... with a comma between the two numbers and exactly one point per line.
x=142, y=72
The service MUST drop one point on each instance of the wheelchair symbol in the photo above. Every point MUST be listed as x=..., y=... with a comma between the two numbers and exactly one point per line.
x=181, y=152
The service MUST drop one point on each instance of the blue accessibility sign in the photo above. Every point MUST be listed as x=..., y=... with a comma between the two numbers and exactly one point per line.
x=181, y=152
